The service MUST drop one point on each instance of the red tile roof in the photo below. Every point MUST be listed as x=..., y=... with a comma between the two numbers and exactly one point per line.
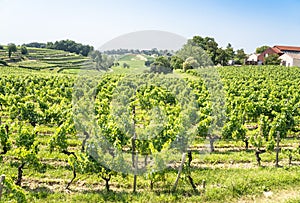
x=276, y=49
x=286, y=48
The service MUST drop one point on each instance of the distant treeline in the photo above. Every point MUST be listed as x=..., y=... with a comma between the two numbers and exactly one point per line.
x=78, y=48
x=150, y=52
x=65, y=45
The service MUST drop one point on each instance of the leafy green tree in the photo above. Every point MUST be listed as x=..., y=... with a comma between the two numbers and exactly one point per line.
x=149, y=62
x=208, y=44
x=190, y=63
x=71, y=46
x=261, y=49
x=272, y=59
x=38, y=45
x=24, y=50
x=126, y=65
x=240, y=57
x=222, y=57
x=192, y=50
x=176, y=62
x=103, y=61
x=161, y=65
x=11, y=48
x=229, y=52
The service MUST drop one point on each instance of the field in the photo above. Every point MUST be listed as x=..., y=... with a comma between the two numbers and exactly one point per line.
x=37, y=107
x=136, y=63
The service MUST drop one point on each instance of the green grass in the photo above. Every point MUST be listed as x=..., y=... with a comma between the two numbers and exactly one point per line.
x=127, y=57
x=136, y=64
x=224, y=185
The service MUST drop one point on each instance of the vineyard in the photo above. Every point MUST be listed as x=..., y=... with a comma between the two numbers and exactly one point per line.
x=46, y=60
x=224, y=134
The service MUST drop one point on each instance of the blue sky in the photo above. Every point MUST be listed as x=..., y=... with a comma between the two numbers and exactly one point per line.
x=245, y=23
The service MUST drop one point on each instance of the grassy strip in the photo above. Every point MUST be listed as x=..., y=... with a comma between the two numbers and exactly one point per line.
x=223, y=185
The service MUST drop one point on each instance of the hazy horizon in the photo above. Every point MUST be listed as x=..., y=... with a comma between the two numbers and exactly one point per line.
x=145, y=40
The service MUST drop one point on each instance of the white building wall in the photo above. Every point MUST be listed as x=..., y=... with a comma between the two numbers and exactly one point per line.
x=296, y=62
x=286, y=60
x=252, y=57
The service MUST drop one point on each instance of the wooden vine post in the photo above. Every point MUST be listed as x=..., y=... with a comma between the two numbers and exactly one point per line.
x=134, y=154
x=179, y=172
x=277, y=149
x=189, y=176
x=2, y=178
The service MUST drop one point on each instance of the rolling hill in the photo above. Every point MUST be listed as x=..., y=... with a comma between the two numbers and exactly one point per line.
x=45, y=59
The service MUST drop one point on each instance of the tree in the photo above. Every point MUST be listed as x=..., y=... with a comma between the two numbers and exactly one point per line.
x=224, y=55
x=11, y=48
x=161, y=65
x=126, y=65
x=229, y=52
x=103, y=61
x=240, y=57
x=208, y=44
x=190, y=63
x=272, y=59
x=24, y=50
x=148, y=62
x=176, y=62
x=71, y=46
x=261, y=49
x=36, y=44
x=221, y=57
x=199, y=54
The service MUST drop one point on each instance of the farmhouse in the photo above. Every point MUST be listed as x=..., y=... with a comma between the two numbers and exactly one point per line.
x=290, y=60
x=252, y=59
x=289, y=55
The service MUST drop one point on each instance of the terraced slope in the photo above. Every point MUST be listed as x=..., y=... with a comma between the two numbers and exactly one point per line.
x=46, y=59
